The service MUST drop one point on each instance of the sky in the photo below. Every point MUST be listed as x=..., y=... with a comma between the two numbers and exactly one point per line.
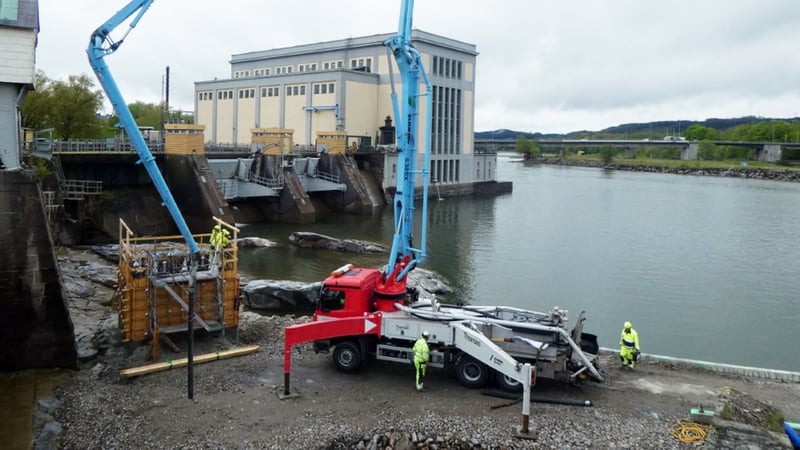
x=543, y=66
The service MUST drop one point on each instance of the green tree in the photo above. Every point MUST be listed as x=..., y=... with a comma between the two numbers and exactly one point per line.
x=147, y=114
x=35, y=107
x=69, y=107
x=527, y=148
x=607, y=154
x=700, y=133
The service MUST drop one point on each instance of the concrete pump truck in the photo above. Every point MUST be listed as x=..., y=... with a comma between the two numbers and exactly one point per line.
x=366, y=312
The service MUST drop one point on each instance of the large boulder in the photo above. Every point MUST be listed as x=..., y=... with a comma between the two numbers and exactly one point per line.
x=315, y=240
x=279, y=294
x=428, y=283
x=254, y=242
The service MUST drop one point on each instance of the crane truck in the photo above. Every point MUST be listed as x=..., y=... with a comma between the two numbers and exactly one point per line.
x=101, y=44
x=363, y=312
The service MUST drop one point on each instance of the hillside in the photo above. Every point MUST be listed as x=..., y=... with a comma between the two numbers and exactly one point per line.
x=659, y=128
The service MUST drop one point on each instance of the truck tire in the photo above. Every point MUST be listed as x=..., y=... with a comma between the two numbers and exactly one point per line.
x=507, y=384
x=471, y=373
x=346, y=356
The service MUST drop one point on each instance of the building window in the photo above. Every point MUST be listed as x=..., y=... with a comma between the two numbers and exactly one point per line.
x=288, y=90
x=330, y=88
x=361, y=64
x=294, y=90
x=326, y=66
x=302, y=90
x=324, y=88
x=316, y=89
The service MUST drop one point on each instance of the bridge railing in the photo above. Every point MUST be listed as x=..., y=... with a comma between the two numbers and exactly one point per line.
x=78, y=189
x=333, y=178
x=100, y=146
x=274, y=183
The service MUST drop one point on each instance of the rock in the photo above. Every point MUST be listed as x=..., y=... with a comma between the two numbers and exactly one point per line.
x=48, y=437
x=255, y=242
x=316, y=240
x=84, y=343
x=428, y=283
x=274, y=294
x=109, y=252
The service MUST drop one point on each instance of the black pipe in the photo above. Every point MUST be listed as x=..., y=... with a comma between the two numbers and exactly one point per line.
x=562, y=402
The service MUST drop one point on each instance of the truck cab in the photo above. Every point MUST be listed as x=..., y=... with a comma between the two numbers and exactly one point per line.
x=347, y=292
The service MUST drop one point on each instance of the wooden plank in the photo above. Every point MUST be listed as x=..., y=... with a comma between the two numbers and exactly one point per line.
x=208, y=357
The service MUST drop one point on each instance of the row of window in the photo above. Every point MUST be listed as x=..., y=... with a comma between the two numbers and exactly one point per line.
x=360, y=64
x=272, y=91
x=446, y=120
x=446, y=67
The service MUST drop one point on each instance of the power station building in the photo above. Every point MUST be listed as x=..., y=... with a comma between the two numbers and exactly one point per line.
x=343, y=88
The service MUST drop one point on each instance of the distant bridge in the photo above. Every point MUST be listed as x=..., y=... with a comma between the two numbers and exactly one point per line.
x=764, y=151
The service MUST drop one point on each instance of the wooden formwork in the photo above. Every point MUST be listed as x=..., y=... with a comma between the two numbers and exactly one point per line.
x=154, y=283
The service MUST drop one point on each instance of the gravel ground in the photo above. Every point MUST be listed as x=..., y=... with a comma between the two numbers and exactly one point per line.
x=236, y=404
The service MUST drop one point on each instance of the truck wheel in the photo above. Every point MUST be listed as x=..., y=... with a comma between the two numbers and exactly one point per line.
x=507, y=384
x=471, y=373
x=346, y=356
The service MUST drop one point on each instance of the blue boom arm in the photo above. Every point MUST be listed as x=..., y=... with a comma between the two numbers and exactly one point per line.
x=101, y=45
x=404, y=256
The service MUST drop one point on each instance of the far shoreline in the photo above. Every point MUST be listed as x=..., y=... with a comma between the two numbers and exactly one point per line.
x=734, y=171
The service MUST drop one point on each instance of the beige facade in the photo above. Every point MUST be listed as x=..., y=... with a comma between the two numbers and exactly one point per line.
x=345, y=86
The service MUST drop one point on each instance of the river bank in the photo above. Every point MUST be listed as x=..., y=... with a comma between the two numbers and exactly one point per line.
x=236, y=405
x=735, y=171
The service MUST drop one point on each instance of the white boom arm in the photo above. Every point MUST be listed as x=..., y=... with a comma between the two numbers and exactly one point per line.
x=472, y=342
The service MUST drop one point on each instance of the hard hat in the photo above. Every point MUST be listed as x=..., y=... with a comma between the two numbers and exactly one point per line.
x=217, y=227
x=425, y=334
x=628, y=325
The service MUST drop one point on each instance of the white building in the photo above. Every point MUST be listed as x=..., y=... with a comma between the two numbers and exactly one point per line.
x=19, y=27
x=345, y=85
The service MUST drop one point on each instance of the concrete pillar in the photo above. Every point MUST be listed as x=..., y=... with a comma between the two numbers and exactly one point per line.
x=628, y=152
x=770, y=153
x=9, y=126
x=690, y=152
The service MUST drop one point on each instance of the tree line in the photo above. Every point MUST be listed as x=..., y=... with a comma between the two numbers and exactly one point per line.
x=73, y=109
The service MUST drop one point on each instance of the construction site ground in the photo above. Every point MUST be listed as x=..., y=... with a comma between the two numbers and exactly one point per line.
x=236, y=402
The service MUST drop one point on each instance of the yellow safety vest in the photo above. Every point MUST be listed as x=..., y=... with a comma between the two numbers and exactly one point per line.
x=421, y=351
x=630, y=340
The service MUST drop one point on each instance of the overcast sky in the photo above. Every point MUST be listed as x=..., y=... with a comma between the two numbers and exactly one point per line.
x=548, y=66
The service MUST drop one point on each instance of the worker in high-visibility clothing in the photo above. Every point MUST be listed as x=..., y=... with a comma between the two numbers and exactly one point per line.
x=216, y=232
x=214, y=244
x=628, y=345
x=421, y=357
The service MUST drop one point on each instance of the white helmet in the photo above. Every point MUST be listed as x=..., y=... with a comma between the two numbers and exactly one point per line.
x=425, y=334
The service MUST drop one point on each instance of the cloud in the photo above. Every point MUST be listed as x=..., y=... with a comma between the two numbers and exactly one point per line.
x=543, y=66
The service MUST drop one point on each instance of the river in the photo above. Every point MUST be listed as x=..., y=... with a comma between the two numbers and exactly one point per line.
x=704, y=267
